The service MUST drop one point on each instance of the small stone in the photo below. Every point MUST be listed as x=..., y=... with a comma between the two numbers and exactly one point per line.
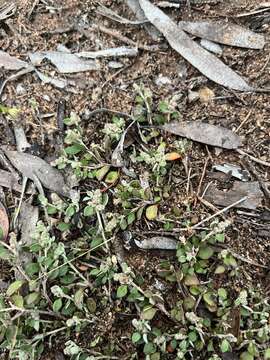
x=20, y=90
x=162, y=80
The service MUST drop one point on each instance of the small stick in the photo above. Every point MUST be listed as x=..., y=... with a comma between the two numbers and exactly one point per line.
x=102, y=110
x=219, y=213
x=244, y=121
x=125, y=39
x=265, y=163
x=202, y=177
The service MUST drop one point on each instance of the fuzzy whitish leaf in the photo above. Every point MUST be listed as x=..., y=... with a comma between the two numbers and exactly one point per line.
x=57, y=305
x=122, y=291
x=14, y=287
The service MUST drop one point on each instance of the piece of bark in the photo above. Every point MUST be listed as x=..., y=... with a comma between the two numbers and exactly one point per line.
x=239, y=190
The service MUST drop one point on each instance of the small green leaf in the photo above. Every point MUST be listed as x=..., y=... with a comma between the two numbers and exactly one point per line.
x=220, y=237
x=151, y=212
x=220, y=270
x=122, y=291
x=100, y=173
x=131, y=218
x=191, y=280
x=31, y=268
x=149, y=348
x=148, y=313
x=78, y=298
x=246, y=356
x=63, y=226
x=267, y=354
x=88, y=211
x=136, y=337
x=74, y=149
x=225, y=346
x=222, y=293
x=31, y=298
x=4, y=253
x=17, y=300
x=192, y=336
x=57, y=305
x=189, y=303
x=14, y=287
x=112, y=177
x=205, y=252
x=91, y=305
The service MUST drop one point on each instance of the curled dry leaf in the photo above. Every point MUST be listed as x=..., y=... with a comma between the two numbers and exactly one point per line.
x=201, y=59
x=224, y=33
x=33, y=167
x=157, y=242
x=204, y=133
x=4, y=223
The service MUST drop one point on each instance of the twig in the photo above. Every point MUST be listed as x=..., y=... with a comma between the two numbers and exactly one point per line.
x=219, y=213
x=259, y=161
x=116, y=34
x=102, y=110
x=244, y=121
x=202, y=177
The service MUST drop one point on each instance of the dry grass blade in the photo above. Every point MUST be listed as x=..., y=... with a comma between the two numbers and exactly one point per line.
x=201, y=59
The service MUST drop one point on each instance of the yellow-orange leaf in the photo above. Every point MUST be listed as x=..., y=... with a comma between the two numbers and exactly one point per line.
x=172, y=156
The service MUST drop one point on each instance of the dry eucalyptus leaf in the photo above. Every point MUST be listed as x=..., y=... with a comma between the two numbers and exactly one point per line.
x=201, y=59
x=251, y=190
x=234, y=171
x=11, y=63
x=224, y=33
x=204, y=133
x=157, y=242
x=4, y=223
x=33, y=167
x=65, y=62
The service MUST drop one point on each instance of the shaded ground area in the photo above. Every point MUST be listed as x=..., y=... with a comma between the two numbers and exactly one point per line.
x=86, y=290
